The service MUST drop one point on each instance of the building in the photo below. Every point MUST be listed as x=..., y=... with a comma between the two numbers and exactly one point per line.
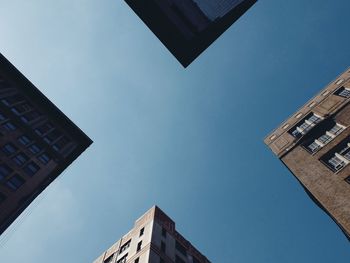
x=37, y=142
x=153, y=239
x=314, y=143
x=188, y=27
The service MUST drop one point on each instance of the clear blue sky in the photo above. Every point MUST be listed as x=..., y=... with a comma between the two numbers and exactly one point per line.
x=189, y=140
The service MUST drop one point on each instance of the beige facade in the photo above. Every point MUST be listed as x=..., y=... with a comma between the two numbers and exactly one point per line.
x=153, y=239
x=314, y=143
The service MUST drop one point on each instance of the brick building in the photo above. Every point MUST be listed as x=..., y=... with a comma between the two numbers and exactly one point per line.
x=153, y=239
x=314, y=143
x=37, y=142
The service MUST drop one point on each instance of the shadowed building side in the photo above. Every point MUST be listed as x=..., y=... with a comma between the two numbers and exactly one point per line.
x=37, y=143
x=315, y=146
x=182, y=25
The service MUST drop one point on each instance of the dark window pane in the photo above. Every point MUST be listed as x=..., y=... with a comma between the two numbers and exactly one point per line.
x=61, y=143
x=4, y=171
x=20, y=159
x=25, y=140
x=142, y=231
x=32, y=115
x=9, y=149
x=19, y=109
x=9, y=126
x=31, y=168
x=12, y=99
x=34, y=148
x=44, y=158
x=15, y=182
x=2, y=117
x=41, y=130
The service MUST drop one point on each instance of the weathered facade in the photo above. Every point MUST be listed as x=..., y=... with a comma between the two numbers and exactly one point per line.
x=153, y=239
x=37, y=142
x=314, y=143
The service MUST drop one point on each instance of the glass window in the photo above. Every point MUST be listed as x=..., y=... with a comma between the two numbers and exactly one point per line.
x=336, y=129
x=20, y=159
x=137, y=260
x=61, y=143
x=31, y=168
x=162, y=247
x=9, y=149
x=24, y=139
x=142, y=231
x=4, y=171
x=123, y=259
x=324, y=139
x=343, y=92
x=314, y=147
x=125, y=246
x=347, y=179
x=9, y=126
x=41, y=130
x=336, y=163
x=109, y=259
x=28, y=117
x=139, y=246
x=15, y=182
x=163, y=232
x=44, y=158
x=12, y=100
x=34, y=148
x=19, y=109
x=52, y=136
x=181, y=248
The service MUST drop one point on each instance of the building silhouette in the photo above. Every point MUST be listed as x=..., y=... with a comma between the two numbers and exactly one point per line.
x=153, y=239
x=314, y=143
x=37, y=142
x=188, y=27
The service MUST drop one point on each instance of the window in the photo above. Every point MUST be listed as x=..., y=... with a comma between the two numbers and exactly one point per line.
x=123, y=259
x=44, y=158
x=30, y=116
x=41, y=130
x=52, y=136
x=181, y=248
x=139, y=246
x=12, y=100
x=142, y=231
x=4, y=171
x=343, y=92
x=9, y=126
x=15, y=182
x=24, y=139
x=31, y=168
x=109, y=259
x=179, y=260
x=336, y=129
x=34, y=148
x=125, y=246
x=162, y=247
x=336, y=163
x=21, y=108
x=163, y=232
x=305, y=125
x=2, y=198
x=137, y=260
x=320, y=142
x=61, y=143
x=20, y=159
x=9, y=149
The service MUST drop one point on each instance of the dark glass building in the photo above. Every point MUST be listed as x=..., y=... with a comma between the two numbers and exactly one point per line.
x=188, y=27
x=37, y=142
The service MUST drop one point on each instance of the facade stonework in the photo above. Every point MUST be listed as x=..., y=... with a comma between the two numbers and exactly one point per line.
x=153, y=239
x=314, y=143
